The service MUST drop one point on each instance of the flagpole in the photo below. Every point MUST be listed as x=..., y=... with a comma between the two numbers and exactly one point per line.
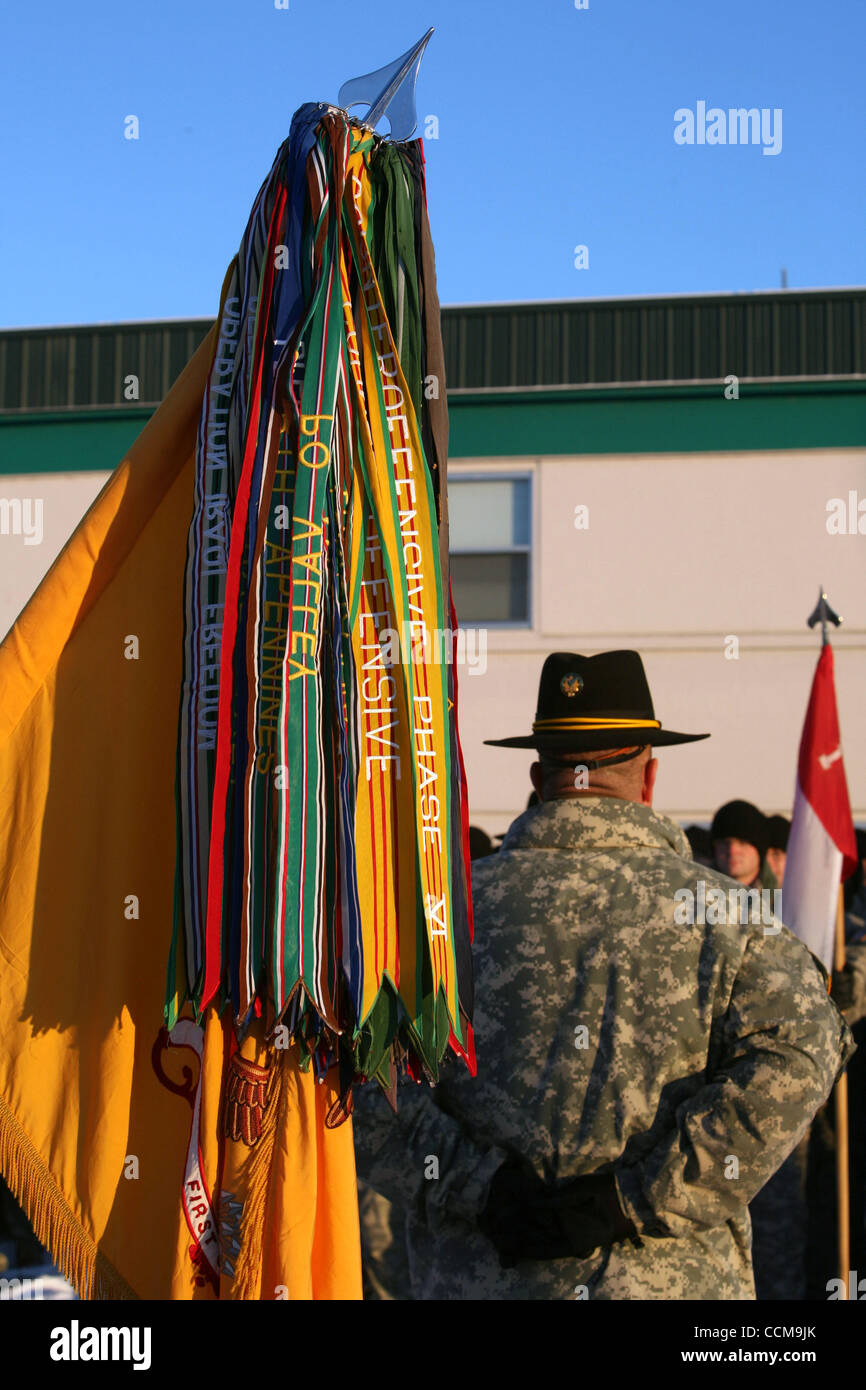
x=824, y=614
x=843, y=1200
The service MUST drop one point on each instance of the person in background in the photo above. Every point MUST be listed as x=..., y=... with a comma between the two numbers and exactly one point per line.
x=18, y=1245
x=739, y=833
x=701, y=845
x=855, y=886
x=794, y=1215
x=480, y=843
x=779, y=828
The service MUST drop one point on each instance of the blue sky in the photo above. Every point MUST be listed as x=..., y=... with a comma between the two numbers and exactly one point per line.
x=556, y=129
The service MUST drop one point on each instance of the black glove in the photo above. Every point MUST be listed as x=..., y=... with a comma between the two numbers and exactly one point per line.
x=843, y=988
x=528, y=1220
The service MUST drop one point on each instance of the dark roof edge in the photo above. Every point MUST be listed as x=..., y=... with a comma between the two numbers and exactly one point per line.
x=192, y=321
x=112, y=325
x=697, y=297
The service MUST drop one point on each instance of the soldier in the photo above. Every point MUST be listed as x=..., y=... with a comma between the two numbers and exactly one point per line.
x=741, y=836
x=641, y=1069
x=700, y=844
x=778, y=833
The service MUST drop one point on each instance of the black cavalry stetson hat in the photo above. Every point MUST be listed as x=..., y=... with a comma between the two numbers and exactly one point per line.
x=587, y=703
x=741, y=820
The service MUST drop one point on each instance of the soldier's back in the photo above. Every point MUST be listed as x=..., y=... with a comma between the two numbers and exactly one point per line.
x=602, y=1013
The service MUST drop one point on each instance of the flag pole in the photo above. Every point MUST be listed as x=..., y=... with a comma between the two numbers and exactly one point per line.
x=823, y=614
x=843, y=1201
x=841, y=1122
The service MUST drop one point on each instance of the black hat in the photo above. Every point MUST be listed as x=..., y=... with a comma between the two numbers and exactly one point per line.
x=740, y=820
x=700, y=841
x=778, y=830
x=480, y=843
x=587, y=703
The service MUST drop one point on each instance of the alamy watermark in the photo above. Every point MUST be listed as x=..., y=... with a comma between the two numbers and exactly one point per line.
x=846, y=518
x=714, y=906
x=21, y=1289
x=77, y=1343
x=736, y=126
x=417, y=644
x=22, y=516
x=855, y=1292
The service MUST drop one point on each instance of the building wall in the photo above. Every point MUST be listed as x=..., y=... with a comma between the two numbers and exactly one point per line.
x=682, y=553
x=60, y=500
x=687, y=545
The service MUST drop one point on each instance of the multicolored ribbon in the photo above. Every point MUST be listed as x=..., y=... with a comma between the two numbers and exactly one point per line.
x=322, y=876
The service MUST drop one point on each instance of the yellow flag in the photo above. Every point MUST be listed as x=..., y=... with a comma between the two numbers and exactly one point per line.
x=151, y=1165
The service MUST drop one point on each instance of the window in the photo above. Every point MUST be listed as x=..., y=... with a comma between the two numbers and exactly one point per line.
x=489, y=530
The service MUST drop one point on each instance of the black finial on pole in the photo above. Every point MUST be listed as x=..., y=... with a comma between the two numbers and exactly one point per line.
x=823, y=614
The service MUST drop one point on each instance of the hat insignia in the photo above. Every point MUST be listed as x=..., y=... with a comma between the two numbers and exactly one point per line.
x=571, y=683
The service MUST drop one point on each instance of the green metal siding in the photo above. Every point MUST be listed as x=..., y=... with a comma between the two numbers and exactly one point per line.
x=79, y=368
x=785, y=333
x=639, y=420
x=809, y=333
x=557, y=378
x=90, y=442
x=659, y=420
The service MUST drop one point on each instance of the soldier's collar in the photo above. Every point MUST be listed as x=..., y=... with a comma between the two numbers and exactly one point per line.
x=601, y=821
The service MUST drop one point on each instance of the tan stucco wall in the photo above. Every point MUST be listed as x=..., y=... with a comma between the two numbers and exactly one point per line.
x=681, y=552
x=64, y=498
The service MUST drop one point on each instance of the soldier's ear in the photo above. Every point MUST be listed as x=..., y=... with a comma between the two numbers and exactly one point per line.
x=537, y=780
x=649, y=781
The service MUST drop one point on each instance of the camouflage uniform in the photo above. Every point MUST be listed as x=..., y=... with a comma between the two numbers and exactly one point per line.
x=780, y=1229
x=703, y=1045
x=383, y=1248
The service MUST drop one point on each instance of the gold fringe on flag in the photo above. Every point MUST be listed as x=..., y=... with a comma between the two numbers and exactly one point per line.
x=55, y=1225
x=248, y=1273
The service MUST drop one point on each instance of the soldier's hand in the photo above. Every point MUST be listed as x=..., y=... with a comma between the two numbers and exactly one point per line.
x=526, y=1219
x=843, y=988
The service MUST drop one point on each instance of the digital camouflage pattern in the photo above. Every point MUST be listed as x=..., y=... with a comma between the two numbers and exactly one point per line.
x=383, y=1247
x=688, y=1059
x=780, y=1229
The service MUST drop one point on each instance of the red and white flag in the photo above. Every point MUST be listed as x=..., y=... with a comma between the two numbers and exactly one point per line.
x=822, y=848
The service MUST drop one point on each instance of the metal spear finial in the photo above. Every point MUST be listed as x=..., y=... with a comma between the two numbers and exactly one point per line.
x=390, y=89
x=824, y=614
